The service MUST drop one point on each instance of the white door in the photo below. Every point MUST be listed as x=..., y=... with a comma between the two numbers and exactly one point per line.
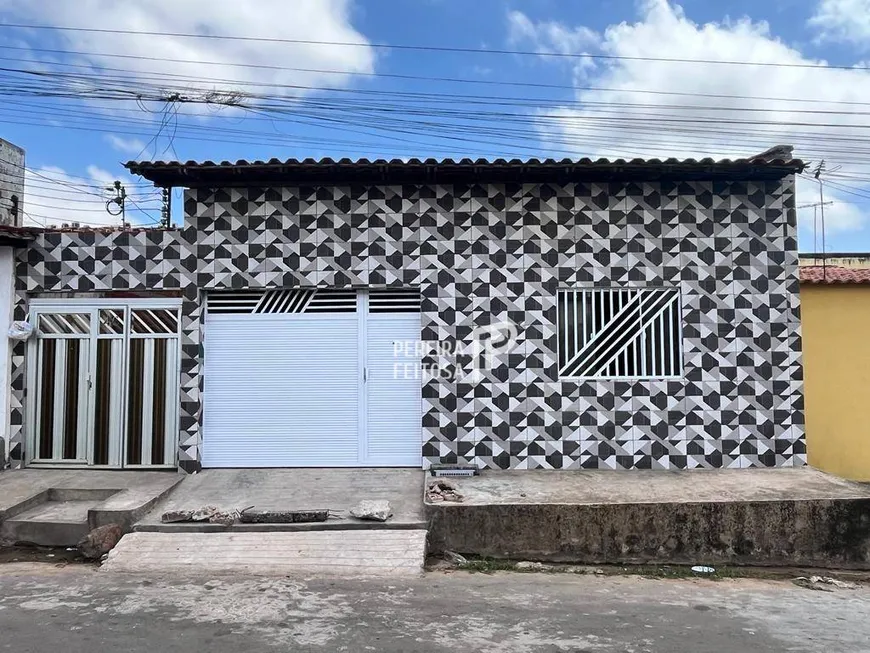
x=304, y=378
x=393, y=395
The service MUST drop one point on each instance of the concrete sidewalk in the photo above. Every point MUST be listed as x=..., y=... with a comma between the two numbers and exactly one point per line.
x=337, y=490
x=357, y=553
x=57, y=507
x=788, y=517
x=590, y=487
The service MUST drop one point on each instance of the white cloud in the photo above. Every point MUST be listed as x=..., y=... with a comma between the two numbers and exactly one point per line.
x=125, y=145
x=843, y=20
x=608, y=119
x=312, y=20
x=840, y=217
x=550, y=36
x=54, y=197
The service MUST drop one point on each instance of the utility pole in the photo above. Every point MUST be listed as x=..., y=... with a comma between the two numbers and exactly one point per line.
x=166, y=209
x=818, y=175
x=815, y=207
x=119, y=200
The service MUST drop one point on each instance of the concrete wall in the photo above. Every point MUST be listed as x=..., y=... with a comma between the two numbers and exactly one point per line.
x=11, y=183
x=815, y=533
x=6, y=298
x=837, y=388
x=839, y=260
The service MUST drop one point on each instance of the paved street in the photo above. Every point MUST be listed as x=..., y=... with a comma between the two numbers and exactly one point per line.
x=76, y=609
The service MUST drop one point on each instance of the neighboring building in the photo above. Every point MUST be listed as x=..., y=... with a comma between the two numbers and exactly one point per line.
x=11, y=184
x=842, y=260
x=652, y=309
x=836, y=314
x=11, y=210
x=10, y=239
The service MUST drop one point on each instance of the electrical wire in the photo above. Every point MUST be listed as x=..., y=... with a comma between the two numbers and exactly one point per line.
x=346, y=73
x=422, y=48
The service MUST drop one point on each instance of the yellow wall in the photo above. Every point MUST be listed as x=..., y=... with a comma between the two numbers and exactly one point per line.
x=836, y=343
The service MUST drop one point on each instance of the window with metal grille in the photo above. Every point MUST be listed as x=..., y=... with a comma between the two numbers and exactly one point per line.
x=63, y=324
x=608, y=333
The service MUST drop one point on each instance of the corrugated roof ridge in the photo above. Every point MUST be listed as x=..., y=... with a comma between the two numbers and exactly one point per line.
x=755, y=160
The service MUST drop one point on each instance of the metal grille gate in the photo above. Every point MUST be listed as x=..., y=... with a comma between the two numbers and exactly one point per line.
x=103, y=379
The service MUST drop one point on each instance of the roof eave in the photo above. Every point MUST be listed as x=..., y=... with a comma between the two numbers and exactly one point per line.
x=309, y=171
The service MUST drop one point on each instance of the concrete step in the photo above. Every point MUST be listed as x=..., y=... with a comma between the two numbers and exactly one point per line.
x=312, y=553
x=346, y=524
x=52, y=523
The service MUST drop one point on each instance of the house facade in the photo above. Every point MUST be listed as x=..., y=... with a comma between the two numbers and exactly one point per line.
x=509, y=315
x=835, y=303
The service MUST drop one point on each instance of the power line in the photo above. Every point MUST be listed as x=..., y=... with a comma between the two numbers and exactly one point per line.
x=243, y=101
x=421, y=78
x=643, y=120
x=54, y=219
x=744, y=135
x=32, y=218
x=99, y=208
x=70, y=199
x=423, y=48
x=533, y=149
x=185, y=80
x=442, y=118
x=148, y=213
x=38, y=191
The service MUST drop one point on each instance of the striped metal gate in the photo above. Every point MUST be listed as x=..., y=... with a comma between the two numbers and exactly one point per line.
x=102, y=384
x=312, y=378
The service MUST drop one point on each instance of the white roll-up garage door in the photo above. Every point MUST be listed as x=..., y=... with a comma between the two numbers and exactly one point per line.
x=311, y=379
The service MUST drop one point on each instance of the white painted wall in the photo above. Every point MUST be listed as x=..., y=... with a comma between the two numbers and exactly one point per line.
x=6, y=289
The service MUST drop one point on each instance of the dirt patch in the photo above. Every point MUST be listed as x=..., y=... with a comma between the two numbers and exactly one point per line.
x=47, y=554
x=490, y=565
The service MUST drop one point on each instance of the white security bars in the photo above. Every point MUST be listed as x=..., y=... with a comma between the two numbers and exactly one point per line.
x=277, y=302
x=103, y=381
x=607, y=333
x=62, y=351
x=320, y=300
x=152, y=386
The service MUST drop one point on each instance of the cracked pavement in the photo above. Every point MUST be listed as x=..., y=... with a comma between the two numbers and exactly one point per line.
x=73, y=608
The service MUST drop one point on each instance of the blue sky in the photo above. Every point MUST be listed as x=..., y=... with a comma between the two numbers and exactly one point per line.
x=313, y=100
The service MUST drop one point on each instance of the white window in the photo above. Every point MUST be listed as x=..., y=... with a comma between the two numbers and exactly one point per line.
x=610, y=333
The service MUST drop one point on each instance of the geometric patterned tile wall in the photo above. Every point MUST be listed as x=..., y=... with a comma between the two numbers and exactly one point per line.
x=487, y=253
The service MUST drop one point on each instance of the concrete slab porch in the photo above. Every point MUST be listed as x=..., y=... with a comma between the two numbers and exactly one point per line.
x=56, y=507
x=357, y=553
x=338, y=490
x=750, y=516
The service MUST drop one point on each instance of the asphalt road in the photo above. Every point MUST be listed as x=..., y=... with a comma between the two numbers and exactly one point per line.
x=76, y=609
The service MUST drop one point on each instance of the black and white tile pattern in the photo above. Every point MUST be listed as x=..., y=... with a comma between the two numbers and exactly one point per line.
x=483, y=254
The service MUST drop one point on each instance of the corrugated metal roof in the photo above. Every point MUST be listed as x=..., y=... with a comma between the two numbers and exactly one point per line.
x=29, y=233
x=108, y=229
x=177, y=173
x=11, y=234
x=834, y=275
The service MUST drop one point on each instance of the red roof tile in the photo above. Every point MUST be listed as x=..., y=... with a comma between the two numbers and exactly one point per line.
x=833, y=274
